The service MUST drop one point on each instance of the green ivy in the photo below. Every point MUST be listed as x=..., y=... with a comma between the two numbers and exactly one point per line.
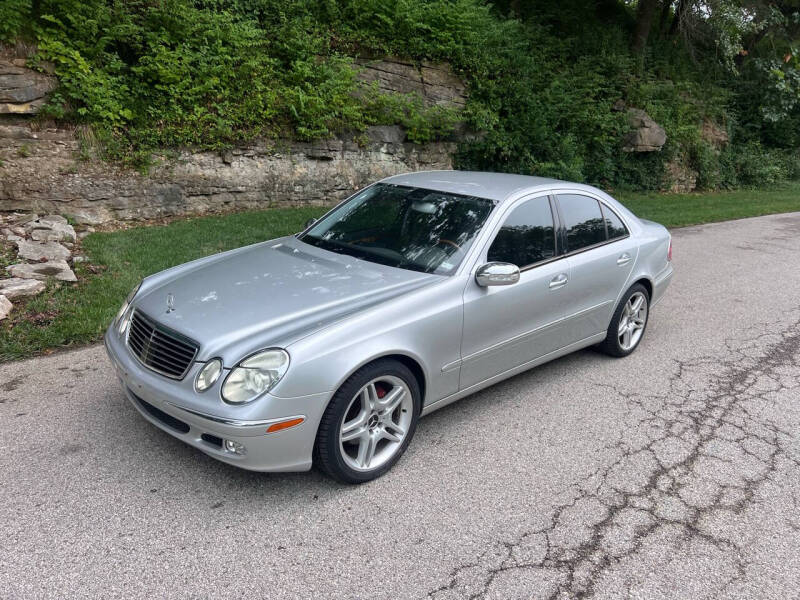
x=149, y=75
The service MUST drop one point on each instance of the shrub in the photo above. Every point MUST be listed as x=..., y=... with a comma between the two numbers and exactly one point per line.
x=153, y=74
x=13, y=16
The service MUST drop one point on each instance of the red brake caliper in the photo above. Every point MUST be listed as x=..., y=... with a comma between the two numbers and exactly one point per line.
x=380, y=390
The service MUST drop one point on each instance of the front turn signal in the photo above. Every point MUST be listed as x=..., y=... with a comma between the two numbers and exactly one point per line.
x=281, y=425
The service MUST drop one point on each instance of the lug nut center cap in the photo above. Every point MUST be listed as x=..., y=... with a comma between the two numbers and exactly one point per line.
x=373, y=422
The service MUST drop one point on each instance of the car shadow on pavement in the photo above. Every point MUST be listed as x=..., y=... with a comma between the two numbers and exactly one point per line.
x=167, y=465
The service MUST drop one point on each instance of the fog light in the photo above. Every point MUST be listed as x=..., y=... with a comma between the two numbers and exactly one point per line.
x=235, y=447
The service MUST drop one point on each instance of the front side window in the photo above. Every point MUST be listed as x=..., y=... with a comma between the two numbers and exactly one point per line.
x=583, y=221
x=406, y=227
x=527, y=235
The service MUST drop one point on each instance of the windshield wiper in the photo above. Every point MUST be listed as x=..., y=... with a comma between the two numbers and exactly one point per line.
x=350, y=250
x=366, y=253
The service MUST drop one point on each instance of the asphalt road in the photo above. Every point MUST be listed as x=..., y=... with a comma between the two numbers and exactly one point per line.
x=672, y=473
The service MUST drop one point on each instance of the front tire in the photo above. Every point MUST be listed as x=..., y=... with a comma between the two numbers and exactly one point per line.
x=628, y=323
x=369, y=422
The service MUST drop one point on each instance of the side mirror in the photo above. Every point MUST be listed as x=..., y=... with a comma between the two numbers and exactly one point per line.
x=310, y=222
x=497, y=273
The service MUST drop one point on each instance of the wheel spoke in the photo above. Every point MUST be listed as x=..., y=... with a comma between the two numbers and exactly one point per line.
x=369, y=397
x=623, y=326
x=366, y=450
x=391, y=400
x=352, y=431
x=637, y=305
x=626, y=338
x=392, y=437
x=398, y=430
x=359, y=420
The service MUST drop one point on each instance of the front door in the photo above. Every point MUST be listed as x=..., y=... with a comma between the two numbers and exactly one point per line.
x=507, y=326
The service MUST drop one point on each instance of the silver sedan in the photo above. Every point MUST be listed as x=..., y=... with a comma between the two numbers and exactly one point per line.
x=327, y=347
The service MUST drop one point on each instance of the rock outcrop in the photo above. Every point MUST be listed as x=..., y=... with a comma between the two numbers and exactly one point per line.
x=40, y=171
x=23, y=91
x=42, y=271
x=41, y=168
x=5, y=307
x=17, y=287
x=41, y=251
x=714, y=134
x=436, y=83
x=646, y=135
x=681, y=178
x=41, y=260
x=54, y=228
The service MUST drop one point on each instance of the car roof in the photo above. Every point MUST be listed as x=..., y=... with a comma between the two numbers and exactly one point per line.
x=494, y=186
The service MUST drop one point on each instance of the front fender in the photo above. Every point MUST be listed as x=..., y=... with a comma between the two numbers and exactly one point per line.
x=424, y=326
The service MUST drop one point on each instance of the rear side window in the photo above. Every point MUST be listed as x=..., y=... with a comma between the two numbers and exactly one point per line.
x=527, y=235
x=583, y=221
x=614, y=225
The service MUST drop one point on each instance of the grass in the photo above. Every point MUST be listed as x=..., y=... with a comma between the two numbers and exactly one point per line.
x=75, y=314
x=679, y=210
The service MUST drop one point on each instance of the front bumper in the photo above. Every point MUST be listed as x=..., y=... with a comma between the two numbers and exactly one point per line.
x=286, y=450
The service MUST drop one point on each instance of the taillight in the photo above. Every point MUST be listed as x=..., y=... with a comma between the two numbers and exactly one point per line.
x=669, y=251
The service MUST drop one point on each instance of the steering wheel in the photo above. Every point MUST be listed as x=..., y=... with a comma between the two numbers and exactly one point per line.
x=449, y=243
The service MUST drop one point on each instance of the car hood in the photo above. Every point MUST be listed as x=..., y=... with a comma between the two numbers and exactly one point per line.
x=269, y=294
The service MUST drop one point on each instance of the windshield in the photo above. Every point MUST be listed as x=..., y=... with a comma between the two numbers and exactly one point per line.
x=406, y=227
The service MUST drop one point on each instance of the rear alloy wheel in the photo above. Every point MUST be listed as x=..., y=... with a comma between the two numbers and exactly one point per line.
x=628, y=323
x=369, y=422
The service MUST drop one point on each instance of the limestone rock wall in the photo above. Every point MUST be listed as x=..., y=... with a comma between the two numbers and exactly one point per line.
x=40, y=169
x=40, y=172
x=23, y=91
x=434, y=82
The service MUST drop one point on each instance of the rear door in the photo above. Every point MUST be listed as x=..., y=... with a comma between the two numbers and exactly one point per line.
x=506, y=326
x=601, y=256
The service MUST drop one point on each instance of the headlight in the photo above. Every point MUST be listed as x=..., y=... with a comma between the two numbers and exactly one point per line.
x=208, y=375
x=255, y=375
x=121, y=320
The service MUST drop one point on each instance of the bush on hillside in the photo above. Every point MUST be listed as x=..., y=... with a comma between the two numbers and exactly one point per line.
x=149, y=74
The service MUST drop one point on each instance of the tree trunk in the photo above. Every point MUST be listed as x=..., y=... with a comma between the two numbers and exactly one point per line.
x=680, y=11
x=644, y=21
x=662, y=24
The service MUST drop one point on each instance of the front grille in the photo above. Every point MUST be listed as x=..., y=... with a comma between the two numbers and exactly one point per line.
x=159, y=348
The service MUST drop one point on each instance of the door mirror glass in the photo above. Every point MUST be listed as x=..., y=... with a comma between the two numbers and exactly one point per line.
x=497, y=273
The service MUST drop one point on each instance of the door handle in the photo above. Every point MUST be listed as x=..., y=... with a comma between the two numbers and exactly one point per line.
x=624, y=259
x=558, y=281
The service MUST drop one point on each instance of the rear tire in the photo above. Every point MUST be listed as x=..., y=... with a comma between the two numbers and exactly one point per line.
x=628, y=323
x=369, y=422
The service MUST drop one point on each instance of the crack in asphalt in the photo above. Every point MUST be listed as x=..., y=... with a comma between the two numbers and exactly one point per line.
x=693, y=460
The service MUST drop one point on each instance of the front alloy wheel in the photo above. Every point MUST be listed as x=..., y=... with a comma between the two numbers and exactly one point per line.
x=376, y=423
x=369, y=422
